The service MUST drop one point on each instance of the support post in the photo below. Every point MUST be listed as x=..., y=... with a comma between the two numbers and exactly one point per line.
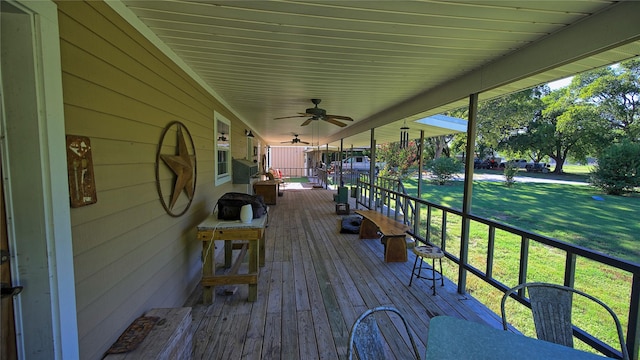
x=372, y=144
x=416, y=216
x=326, y=174
x=339, y=168
x=468, y=192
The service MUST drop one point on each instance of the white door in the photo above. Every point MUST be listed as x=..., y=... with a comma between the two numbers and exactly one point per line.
x=33, y=160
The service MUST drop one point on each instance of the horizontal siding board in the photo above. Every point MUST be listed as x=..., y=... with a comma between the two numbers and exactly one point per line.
x=103, y=125
x=142, y=255
x=118, y=108
x=136, y=294
x=106, y=229
x=121, y=92
x=103, y=74
x=146, y=122
x=127, y=50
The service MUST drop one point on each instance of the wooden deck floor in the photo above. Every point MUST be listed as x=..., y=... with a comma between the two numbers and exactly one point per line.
x=315, y=283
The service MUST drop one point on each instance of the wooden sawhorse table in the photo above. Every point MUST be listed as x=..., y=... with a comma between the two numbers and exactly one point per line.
x=253, y=234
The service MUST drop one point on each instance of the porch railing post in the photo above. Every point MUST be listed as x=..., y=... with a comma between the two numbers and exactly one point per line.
x=633, y=329
x=416, y=218
x=372, y=165
x=468, y=189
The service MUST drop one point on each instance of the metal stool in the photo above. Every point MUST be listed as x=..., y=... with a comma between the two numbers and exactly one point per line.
x=427, y=252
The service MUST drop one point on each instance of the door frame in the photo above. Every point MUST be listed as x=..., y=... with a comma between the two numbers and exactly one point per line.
x=36, y=188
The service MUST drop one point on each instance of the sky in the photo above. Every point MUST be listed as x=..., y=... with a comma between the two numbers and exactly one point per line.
x=560, y=83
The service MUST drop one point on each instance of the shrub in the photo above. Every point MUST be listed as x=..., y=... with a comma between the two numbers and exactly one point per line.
x=510, y=171
x=444, y=168
x=618, y=169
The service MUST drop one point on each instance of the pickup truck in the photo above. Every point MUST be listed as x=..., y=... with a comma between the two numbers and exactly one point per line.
x=538, y=167
x=355, y=163
x=521, y=163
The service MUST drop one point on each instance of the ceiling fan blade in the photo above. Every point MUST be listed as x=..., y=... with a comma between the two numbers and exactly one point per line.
x=304, y=142
x=335, y=122
x=306, y=122
x=290, y=117
x=339, y=117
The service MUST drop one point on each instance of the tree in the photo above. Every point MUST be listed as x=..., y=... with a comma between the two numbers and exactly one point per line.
x=499, y=118
x=618, y=168
x=563, y=127
x=437, y=146
x=615, y=90
x=444, y=168
x=599, y=107
x=398, y=160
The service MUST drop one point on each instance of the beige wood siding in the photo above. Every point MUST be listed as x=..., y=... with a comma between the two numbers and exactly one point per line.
x=121, y=91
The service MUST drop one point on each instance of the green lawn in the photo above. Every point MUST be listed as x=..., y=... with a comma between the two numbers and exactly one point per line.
x=565, y=212
x=298, y=179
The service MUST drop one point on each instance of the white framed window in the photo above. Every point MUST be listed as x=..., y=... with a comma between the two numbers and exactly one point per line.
x=222, y=129
x=249, y=148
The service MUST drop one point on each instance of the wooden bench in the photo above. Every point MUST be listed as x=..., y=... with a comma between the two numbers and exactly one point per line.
x=169, y=339
x=392, y=234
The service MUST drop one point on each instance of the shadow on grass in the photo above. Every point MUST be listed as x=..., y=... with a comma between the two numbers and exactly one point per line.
x=567, y=213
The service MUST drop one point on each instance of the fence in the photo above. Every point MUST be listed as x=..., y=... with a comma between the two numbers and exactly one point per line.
x=388, y=196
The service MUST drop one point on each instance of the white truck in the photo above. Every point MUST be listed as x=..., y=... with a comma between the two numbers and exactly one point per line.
x=355, y=163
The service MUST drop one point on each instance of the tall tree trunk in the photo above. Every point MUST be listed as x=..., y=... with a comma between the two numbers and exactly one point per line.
x=440, y=144
x=559, y=165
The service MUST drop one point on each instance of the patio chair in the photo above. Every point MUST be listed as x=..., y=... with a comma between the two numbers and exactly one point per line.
x=365, y=337
x=551, y=307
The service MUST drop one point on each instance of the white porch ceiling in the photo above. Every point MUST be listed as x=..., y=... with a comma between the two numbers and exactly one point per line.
x=379, y=62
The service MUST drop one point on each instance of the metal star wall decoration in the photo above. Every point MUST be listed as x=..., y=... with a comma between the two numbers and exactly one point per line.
x=183, y=166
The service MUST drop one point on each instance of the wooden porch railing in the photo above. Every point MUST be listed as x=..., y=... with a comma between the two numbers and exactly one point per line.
x=388, y=196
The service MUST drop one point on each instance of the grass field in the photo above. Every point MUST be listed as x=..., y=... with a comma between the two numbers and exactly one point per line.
x=565, y=212
x=298, y=179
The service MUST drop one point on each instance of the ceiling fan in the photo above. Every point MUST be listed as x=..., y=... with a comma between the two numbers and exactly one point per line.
x=222, y=137
x=316, y=113
x=295, y=140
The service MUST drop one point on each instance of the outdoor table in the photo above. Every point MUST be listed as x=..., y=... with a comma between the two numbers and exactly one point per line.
x=252, y=234
x=456, y=339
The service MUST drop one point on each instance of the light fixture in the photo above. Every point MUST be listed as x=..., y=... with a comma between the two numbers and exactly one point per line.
x=248, y=133
x=404, y=135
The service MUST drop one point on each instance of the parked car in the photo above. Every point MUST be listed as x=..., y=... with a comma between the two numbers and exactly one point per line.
x=355, y=163
x=485, y=164
x=538, y=167
x=521, y=163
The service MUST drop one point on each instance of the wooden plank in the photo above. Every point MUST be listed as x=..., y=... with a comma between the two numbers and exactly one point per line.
x=240, y=257
x=272, y=346
x=235, y=341
x=252, y=348
x=274, y=302
x=307, y=336
x=168, y=336
x=326, y=347
x=229, y=280
x=386, y=225
x=314, y=284
x=290, y=347
x=300, y=278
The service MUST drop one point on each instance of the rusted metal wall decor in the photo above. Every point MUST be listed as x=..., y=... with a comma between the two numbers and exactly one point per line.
x=82, y=185
x=180, y=164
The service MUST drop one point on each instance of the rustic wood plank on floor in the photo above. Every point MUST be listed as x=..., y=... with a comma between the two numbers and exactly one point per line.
x=314, y=284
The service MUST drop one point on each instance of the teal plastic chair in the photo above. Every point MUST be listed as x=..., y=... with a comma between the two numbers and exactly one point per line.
x=551, y=307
